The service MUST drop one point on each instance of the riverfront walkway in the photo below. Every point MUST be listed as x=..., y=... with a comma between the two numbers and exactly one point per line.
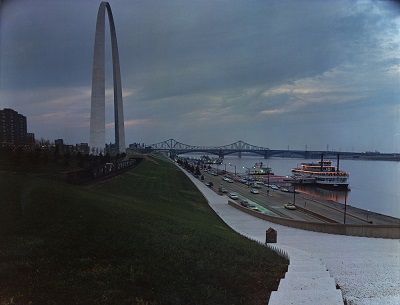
x=367, y=270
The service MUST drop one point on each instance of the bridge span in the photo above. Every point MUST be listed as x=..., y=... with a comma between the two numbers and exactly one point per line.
x=177, y=148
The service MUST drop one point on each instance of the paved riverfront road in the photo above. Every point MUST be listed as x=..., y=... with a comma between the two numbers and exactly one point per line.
x=274, y=203
x=310, y=208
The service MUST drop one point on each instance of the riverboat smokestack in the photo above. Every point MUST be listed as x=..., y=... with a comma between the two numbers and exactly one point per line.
x=322, y=162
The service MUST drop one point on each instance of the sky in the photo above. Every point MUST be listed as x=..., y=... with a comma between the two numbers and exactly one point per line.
x=299, y=74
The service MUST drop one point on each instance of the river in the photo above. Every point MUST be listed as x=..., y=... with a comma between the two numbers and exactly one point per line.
x=374, y=185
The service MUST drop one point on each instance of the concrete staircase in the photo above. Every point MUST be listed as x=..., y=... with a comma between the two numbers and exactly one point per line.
x=307, y=281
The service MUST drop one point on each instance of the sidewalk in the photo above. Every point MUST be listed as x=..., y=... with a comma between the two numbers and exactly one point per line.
x=367, y=270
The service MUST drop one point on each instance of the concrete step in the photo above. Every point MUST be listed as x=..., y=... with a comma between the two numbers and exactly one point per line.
x=307, y=297
x=305, y=259
x=306, y=283
x=306, y=267
x=307, y=274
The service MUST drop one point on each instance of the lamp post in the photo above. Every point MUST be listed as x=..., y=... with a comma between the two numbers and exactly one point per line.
x=294, y=194
x=345, y=207
x=269, y=170
x=248, y=176
x=234, y=166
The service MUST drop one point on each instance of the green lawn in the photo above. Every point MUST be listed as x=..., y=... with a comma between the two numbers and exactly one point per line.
x=145, y=237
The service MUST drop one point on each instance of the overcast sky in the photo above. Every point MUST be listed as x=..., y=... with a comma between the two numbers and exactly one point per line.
x=211, y=72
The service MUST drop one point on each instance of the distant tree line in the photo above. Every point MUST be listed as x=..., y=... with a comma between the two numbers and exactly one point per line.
x=52, y=157
x=193, y=168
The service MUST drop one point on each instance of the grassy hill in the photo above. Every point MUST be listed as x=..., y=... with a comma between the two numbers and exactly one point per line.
x=145, y=237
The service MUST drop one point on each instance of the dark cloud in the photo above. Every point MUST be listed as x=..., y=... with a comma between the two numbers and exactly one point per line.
x=207, y=71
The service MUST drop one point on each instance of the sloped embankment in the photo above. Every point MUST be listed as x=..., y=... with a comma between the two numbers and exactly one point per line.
x=145, y=237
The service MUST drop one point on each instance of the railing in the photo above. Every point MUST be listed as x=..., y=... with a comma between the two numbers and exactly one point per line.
x=101, y=172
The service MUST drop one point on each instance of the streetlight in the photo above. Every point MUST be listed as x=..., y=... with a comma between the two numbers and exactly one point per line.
x=345, y=206
x=234, y=166
x=248, y=176
x=294, y=194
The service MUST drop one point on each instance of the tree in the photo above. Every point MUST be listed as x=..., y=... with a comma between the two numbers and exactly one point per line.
x=198, y=170
x=56, y=154
x=67, y=157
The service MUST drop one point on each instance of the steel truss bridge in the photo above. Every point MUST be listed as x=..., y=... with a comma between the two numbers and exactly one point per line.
x=177, y=148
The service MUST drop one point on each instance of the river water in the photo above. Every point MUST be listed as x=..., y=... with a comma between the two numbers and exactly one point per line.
x=374, y=185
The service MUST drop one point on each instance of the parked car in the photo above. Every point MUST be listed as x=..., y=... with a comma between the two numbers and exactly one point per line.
x=233, y=196
x=245, y=203
x=255, y=191
x=224, y=190
x=290, y=206
x=209, y=184
x=284, y=190
x=253, y=207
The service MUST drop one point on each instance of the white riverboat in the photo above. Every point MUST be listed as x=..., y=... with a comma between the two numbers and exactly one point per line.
x=321, y=173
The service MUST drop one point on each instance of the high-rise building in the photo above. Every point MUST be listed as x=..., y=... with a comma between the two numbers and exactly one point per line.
x=59, y=144
x=97, y=112
x=13, y=128
x=30, y=138
x=82, y=148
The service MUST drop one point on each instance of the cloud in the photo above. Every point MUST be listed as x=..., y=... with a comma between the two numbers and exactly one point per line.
x=273, y=111
x=346, y=84
x=132, y=123
x=207, y=71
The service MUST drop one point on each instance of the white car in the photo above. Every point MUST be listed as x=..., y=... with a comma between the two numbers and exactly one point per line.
x=233, y=196
x=254, y=191
x=290, y=206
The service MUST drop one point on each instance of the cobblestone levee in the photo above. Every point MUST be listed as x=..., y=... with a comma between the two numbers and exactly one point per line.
x=366, y=269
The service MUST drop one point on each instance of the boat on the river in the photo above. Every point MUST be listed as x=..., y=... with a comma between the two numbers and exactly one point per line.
x=207, y=160
x=321, y=173
x=259, y=169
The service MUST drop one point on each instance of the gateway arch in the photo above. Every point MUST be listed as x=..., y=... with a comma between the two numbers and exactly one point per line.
x=97, y=112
